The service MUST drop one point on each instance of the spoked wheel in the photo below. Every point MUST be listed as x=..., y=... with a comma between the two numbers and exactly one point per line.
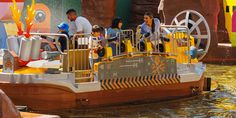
x=198, y=28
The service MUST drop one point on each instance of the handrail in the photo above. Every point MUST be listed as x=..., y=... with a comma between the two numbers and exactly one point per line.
x=67, y=41
x=175, y=29
x=73, y=44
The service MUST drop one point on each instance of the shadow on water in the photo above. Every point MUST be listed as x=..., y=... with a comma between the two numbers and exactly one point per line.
x=218, y=104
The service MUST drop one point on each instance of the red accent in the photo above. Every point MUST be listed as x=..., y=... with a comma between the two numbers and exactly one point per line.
x=11, y=0
x=27, y=35
x=23, y=63
x=20, y=32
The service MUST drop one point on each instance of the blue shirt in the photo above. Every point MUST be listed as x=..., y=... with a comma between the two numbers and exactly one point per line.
x=113, y=32
x=146, y=29
x=3, y=36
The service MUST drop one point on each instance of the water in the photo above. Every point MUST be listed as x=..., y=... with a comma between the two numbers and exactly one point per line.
x=220, y=103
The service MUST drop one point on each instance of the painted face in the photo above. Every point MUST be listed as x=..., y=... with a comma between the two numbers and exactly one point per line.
x=120, y=25
x=147, y=20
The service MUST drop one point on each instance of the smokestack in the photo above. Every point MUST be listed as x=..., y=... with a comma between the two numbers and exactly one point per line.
x=25, y=49
x=36, y=45
x=13, y=44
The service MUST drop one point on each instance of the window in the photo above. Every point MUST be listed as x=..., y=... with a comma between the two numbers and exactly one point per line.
x=227, y=9
x=234, y=8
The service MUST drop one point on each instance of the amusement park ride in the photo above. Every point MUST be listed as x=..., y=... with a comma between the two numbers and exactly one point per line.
x=142, y=71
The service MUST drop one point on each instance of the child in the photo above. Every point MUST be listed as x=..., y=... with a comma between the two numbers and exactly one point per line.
x=63, y=29
x=95, y=43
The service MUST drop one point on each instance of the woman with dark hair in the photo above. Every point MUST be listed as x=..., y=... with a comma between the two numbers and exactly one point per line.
x=113, y=31
x=115, y=27
x=150, y=27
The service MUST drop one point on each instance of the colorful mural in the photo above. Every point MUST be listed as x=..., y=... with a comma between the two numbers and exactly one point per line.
x=6, y=16
x=234, y=25
x=229, y=8
x=49, y=13
x=234, y=22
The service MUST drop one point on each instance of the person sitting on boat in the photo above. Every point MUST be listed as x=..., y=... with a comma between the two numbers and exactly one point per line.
x=63, y=29
x=150, y=27
x=113, y=31
x=95, y=43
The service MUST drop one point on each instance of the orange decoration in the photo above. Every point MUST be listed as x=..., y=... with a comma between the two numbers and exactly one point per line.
x=30, y=17
x=16, y=15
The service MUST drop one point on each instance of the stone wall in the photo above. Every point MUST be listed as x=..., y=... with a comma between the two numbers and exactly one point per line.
x=99, y=12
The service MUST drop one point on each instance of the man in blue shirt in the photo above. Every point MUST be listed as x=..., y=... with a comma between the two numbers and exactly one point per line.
x=3, y=36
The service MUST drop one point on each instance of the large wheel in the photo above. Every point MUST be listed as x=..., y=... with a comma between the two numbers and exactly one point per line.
x=198, y=28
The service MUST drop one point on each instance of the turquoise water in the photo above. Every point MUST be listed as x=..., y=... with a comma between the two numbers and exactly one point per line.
x=220, y=103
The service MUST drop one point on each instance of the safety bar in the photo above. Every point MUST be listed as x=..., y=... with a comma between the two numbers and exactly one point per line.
x=82, y=40
x=175, y=29
x=67, y=41
x=121, y=36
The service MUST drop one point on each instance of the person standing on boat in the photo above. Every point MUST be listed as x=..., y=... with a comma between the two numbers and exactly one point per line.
x=78, y=25
x=112, y=32
x=95, y=44
x=150, y=27
x=63, y=29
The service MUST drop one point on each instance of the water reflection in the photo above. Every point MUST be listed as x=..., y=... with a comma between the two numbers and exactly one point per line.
x=218, y=104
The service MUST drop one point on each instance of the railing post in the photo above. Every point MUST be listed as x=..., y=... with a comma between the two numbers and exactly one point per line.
x=67, y=40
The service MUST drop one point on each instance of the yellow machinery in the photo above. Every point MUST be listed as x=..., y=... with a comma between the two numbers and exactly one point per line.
x=144, y=45
x=128, y=45
x=108, y=51
x=178, y=47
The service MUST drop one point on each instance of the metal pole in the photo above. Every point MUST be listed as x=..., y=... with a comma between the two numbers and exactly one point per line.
x=67, y=40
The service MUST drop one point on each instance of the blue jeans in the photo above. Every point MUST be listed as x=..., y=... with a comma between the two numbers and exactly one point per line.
x=92, y=61
x=113, y=46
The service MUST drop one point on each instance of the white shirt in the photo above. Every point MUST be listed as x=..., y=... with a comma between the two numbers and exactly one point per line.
x=94, y=43
x=72, y=28
x=81, y=24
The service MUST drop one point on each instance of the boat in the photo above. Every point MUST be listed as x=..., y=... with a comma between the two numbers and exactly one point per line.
x=142, y=71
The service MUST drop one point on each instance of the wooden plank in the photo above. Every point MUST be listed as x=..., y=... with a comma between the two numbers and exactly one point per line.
x=35, y=115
